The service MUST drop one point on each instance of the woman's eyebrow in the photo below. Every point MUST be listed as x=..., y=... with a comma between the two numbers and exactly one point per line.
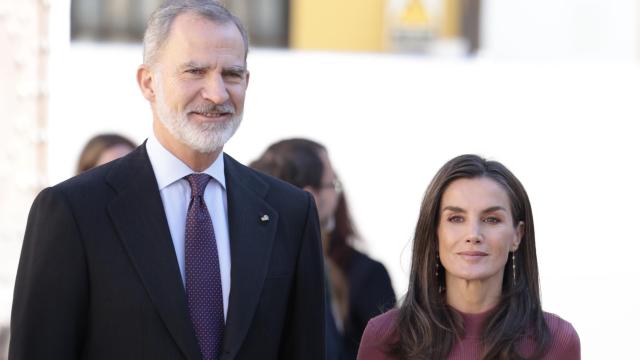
x=494, y=208
x=454, y=209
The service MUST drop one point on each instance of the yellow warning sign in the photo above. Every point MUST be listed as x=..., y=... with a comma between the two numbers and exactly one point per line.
x=414, y=14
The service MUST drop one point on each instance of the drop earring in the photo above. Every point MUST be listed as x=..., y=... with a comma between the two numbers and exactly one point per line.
x=513, y=261
x=440, y=287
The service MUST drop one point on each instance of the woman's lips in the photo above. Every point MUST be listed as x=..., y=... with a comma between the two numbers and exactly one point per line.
x=472, y=255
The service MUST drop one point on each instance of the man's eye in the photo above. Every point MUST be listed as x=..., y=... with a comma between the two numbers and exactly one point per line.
x=195, y=71
x=233, y=75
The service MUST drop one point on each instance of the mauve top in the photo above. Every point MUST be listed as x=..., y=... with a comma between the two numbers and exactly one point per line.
x=564, y=345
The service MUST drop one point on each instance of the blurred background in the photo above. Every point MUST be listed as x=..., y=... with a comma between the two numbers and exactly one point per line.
x=393, y=88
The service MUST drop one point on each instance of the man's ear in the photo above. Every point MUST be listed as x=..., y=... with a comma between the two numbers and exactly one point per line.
x=519, y=236
x=145, y=82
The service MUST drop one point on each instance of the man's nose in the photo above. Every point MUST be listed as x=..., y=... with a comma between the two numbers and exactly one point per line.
x=215, y=90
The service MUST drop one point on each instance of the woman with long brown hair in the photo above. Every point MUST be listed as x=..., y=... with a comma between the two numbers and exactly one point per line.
x=473, y=289
x=359, y=287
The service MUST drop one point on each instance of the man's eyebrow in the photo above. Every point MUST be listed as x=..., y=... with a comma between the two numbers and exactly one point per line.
x=235, y=69
x=193, y=65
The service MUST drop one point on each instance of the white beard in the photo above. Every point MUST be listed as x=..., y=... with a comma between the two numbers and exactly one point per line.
x=202, y=137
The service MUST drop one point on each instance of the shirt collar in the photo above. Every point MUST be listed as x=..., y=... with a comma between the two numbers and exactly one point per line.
x=169, y=169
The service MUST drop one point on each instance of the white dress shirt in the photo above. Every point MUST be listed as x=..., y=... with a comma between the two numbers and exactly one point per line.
x=176, y=195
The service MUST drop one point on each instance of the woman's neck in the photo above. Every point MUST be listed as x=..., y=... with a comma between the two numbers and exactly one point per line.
x=472, y=297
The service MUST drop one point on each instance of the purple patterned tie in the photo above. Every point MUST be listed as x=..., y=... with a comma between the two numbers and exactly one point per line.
x=204, y=288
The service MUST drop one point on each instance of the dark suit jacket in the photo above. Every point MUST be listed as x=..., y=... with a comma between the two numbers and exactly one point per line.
x=98, y=276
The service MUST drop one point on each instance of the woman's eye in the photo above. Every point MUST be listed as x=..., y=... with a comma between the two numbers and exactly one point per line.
x=455, y=219
x=492, y=220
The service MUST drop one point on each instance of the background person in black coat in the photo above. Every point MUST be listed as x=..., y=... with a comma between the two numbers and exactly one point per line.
x=370, y=289
x=359, y=287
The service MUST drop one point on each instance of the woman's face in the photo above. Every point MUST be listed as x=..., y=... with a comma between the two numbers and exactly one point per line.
x=112, y=153
x=476, y=230
x=326, y=196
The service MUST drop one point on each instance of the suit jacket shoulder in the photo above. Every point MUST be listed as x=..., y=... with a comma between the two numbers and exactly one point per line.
x=98, y=267
x=276, y=306
x=278, y=192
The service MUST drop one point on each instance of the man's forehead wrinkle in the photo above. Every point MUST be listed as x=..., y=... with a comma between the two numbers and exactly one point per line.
x=231, y=40
x=192, y=64
x=204, y=54
x=182, y=26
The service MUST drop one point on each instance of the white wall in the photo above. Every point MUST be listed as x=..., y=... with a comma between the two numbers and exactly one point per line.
x=566, y=29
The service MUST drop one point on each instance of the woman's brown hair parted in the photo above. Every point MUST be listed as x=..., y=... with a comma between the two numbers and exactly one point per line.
x=426, y=327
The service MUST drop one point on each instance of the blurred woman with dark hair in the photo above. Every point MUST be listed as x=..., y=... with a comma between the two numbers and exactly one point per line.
x=102, y=149
x=360, y=287
x=473, y=288
x=370, y=286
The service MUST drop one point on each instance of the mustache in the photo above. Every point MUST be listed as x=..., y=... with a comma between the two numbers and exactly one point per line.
x=212, y=108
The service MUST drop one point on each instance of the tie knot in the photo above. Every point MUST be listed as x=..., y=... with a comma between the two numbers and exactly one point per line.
x=198, y=183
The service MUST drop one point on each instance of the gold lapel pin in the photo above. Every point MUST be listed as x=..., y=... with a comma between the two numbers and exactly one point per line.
x=264, y=218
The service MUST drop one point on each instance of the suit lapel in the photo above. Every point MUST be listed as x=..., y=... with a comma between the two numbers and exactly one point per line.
x=138, y=216
x=252, y=229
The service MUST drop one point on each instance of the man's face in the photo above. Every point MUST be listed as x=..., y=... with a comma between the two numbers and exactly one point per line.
x=200, y=80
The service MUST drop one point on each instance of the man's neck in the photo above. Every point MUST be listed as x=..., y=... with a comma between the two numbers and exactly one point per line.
x=197, y=161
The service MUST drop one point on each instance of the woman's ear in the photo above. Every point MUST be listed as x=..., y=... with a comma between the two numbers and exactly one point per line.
x=519, y=236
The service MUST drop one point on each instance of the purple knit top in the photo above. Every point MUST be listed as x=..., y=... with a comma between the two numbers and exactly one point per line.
x=564, y=345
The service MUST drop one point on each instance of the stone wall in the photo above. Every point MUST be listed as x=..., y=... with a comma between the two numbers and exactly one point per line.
x=23, y=104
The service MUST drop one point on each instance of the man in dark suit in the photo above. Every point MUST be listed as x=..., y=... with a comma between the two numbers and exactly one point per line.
x=175, y=251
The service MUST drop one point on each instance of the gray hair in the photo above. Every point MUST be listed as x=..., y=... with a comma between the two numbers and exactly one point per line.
x=160, y=22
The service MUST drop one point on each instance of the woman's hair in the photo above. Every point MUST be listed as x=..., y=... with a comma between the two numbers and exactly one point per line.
x=426, y=327
x=342, y=235
x=96, y=146
x=299, y=162
x=296, y=161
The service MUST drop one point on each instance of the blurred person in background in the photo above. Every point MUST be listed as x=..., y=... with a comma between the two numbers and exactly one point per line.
x=473, y=288
x=359, y=287
x=102, y=149
x=176, y=250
